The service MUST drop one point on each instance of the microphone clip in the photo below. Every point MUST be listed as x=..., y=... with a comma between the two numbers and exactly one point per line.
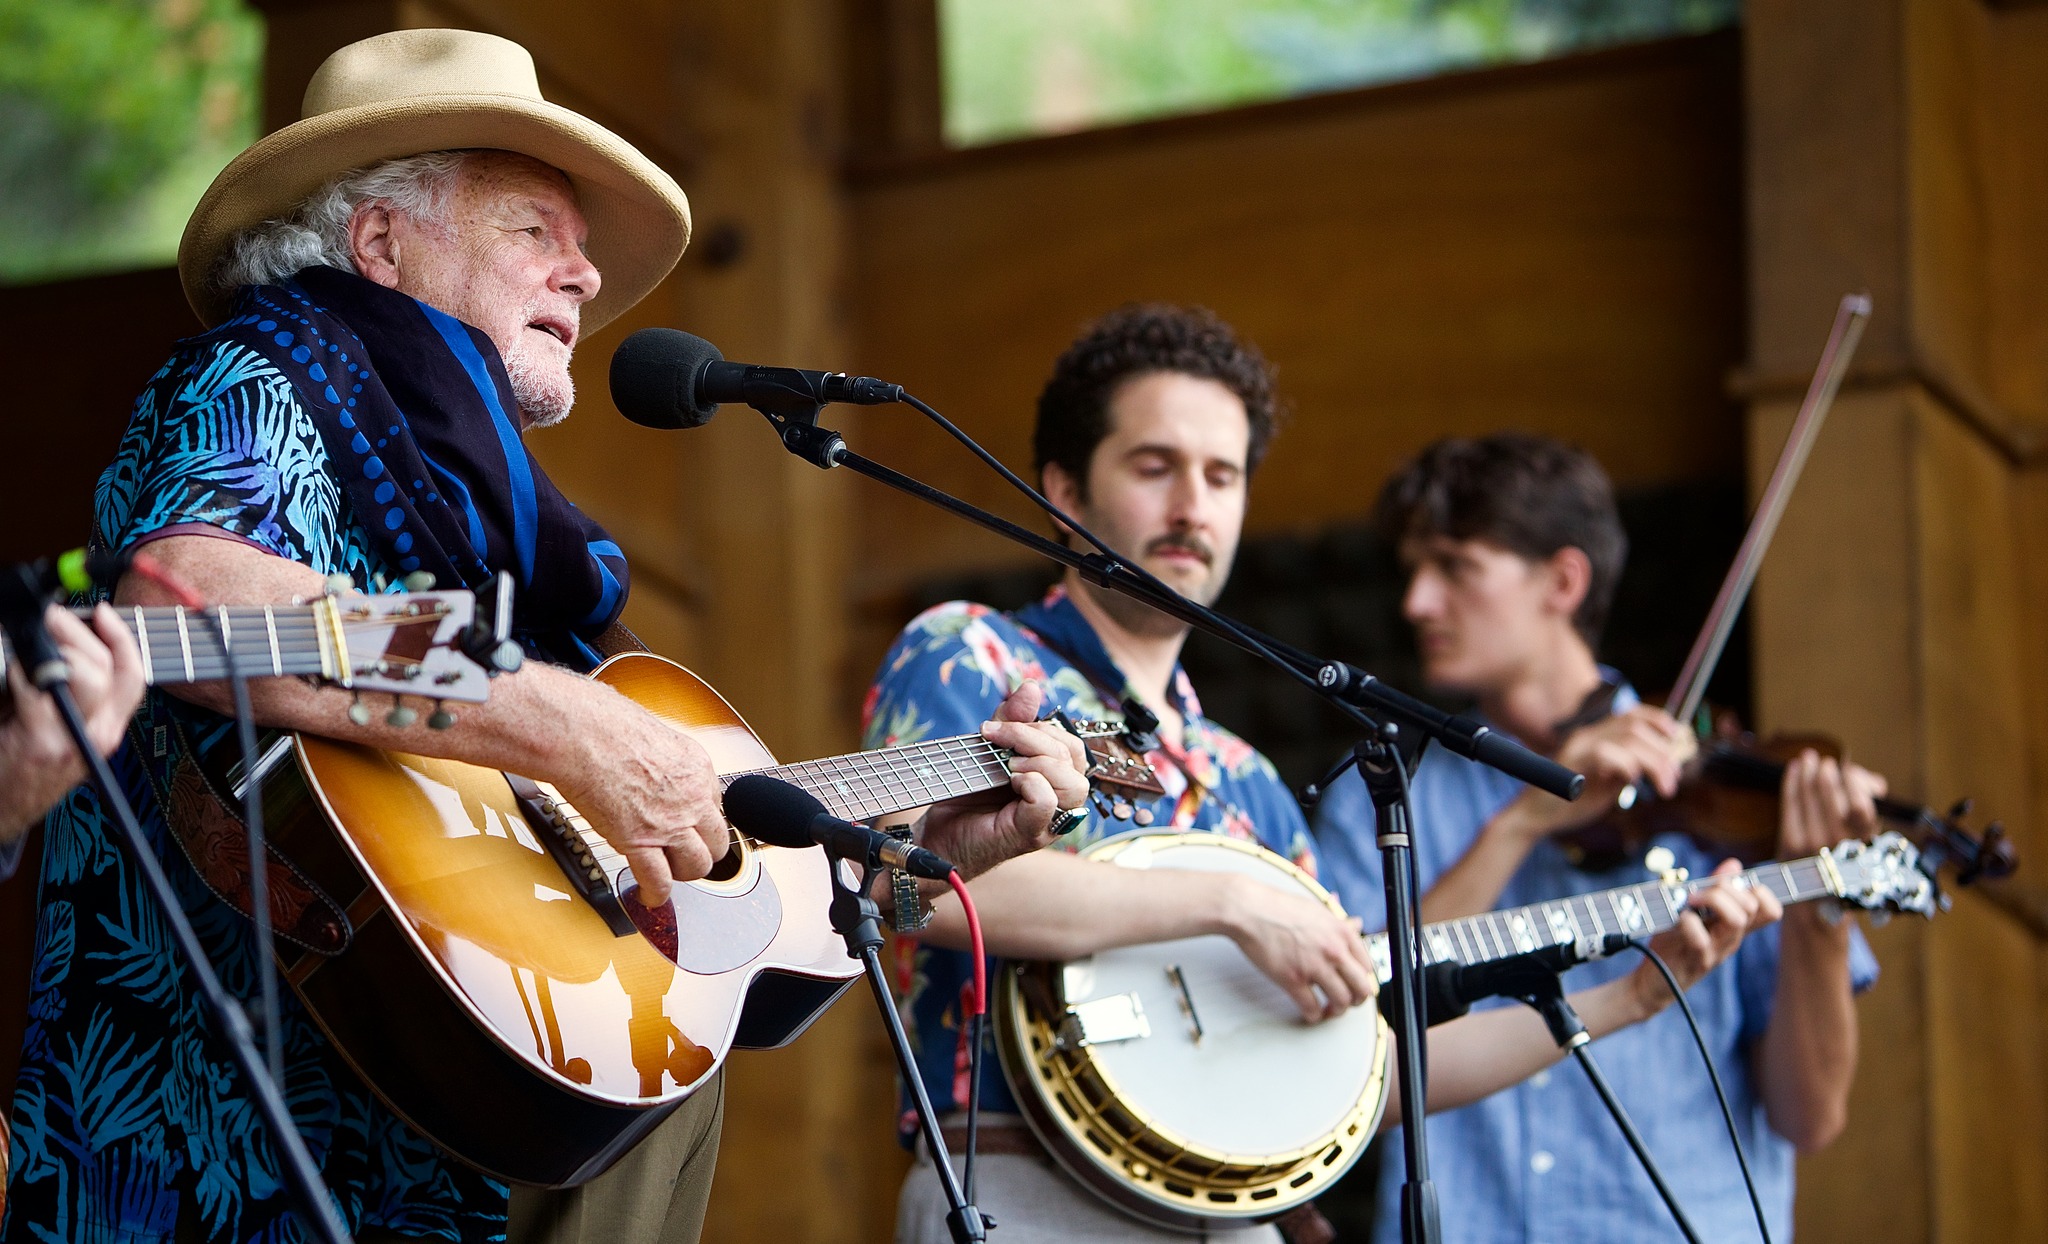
x=821, y=447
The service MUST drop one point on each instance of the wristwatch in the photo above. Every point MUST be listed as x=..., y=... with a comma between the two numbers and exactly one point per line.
x=909, y=914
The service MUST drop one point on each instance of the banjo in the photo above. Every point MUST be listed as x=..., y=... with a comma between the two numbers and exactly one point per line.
x=1177, y=1082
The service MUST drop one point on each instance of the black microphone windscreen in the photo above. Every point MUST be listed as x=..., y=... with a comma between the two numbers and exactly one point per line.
x=654, y=378
x=771, y=810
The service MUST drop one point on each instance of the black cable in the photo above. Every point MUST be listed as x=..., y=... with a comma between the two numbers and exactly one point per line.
x=1720, y=1094
x=1415, y=891
x=259, y=855
x=975, y=1031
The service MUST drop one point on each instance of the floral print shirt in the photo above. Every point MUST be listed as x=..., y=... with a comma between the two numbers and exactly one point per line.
x=945, y=675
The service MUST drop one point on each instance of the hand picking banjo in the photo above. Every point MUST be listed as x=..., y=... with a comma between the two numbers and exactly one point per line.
x=1177, y=1081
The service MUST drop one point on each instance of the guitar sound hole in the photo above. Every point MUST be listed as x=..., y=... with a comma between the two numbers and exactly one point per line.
x=729, y=865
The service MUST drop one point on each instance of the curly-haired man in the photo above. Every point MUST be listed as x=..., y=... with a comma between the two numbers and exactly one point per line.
x=1148, y=433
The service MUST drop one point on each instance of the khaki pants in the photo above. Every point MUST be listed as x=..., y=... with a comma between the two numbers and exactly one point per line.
x=656, y=1194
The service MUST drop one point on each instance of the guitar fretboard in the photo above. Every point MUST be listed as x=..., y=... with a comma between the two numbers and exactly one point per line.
x=1637, y=910
x=184, y=645
x=862, y=785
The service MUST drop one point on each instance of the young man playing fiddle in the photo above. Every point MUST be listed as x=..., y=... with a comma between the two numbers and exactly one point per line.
x=1148, y=433
x=1513, y=548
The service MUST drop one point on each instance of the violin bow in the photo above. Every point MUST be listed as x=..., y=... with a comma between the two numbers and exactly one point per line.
x=1691, y=687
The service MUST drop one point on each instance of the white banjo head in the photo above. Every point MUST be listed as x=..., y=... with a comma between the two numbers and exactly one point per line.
x=1179, y=1081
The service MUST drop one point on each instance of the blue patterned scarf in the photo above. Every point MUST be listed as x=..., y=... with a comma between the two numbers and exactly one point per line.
x=418, y=417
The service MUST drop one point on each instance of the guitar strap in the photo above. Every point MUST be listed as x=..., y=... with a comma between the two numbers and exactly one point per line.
x=207, y=825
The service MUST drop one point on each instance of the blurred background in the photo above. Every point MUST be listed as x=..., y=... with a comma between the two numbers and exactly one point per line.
x=1621, y=222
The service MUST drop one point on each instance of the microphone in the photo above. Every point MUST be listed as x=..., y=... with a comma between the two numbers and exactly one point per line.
x=783, y=815
x=663, y=378
x=1450, y=989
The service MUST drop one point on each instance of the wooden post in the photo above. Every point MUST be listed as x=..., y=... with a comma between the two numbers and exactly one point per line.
x=1889, y=153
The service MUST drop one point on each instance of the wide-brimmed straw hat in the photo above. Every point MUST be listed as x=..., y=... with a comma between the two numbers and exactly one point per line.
x=414, y=91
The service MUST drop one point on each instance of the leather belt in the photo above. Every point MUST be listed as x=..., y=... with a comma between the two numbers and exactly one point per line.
x=1014, y=1141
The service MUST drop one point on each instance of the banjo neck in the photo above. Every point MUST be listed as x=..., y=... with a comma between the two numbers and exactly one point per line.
x=1642, y=910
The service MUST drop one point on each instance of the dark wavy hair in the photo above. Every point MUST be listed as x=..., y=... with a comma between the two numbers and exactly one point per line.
x=1528, y=494
x=1134, y=340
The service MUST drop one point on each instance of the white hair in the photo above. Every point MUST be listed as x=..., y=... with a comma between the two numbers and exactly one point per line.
x=315, y=233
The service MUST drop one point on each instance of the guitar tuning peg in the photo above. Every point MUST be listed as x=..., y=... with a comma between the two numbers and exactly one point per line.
x=359, y=712
x=339, y=583
x=1120, y=808
x=400, y=716
x=441, y=718
x=418, y=581
x=1142, y=816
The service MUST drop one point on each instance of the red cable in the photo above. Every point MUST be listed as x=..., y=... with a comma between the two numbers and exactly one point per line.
x=152, y=569
x=974, y=933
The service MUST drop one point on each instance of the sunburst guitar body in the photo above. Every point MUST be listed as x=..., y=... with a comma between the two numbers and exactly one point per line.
x=503, y=990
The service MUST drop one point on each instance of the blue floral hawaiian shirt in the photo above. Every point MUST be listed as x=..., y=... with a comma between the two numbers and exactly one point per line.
x=128, y=1116
x=946, y=674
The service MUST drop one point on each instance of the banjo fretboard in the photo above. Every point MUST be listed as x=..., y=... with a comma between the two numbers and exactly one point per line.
x=1638, y=911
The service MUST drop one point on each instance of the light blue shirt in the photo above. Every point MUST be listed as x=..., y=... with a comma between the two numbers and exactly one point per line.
x=1542, y=1162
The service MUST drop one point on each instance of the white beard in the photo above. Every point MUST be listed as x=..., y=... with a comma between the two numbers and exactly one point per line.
x=544, y=391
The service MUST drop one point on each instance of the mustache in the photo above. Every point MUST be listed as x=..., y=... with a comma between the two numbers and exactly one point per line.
x=1185, y=543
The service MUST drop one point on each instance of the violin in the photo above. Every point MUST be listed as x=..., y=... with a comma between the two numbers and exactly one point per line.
x=1728, y=801
x=1728, y=794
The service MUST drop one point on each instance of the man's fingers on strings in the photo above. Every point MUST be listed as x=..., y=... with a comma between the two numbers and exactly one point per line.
x=651, y=873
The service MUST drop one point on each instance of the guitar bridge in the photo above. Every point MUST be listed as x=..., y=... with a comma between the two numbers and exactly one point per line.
x=549, y=818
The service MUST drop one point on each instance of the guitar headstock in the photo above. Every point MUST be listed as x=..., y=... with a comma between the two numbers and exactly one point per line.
x=1113, y=763
x=413, y=644
x=1885, y=874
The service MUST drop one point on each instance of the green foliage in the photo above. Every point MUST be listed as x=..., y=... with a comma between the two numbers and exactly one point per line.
x=114, y=116
x=1014, y=68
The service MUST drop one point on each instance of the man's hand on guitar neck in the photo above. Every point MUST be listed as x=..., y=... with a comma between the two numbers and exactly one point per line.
x=1047, y=773
x=648, y=789
x=38, y=761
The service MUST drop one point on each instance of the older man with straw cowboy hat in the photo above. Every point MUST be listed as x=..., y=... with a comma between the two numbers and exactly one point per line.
x=392, y=288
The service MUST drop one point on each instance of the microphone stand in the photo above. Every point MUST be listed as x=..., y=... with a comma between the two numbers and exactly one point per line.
x=21, y=612
x=1385, y=769
x=794, y=414
x=856, y=918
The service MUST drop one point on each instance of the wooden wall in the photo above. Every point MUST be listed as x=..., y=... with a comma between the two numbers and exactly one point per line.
x=1556, y=248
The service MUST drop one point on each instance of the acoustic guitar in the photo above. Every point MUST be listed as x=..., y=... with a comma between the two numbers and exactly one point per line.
x=499, y=985
x=1176, y=1081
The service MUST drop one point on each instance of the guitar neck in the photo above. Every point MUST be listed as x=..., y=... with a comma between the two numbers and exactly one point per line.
x=1637, y=910
x=180, y=645
x=863, y=785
